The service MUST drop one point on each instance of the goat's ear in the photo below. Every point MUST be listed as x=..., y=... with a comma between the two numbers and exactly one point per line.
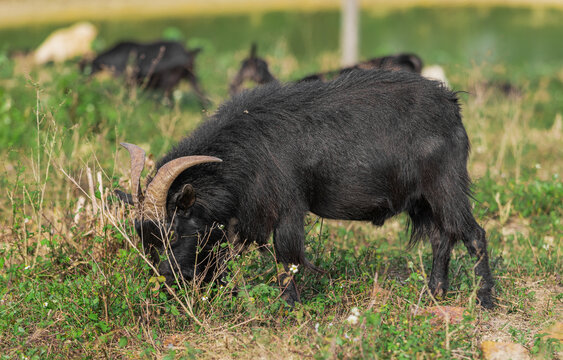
x=186, y=197
x=124, y=197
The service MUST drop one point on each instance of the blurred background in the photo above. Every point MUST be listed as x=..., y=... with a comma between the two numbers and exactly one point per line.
x=524, y=34
x=504, y=46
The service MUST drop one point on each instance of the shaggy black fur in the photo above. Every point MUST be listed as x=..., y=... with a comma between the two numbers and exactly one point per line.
x=366, y=146
x=159, y=65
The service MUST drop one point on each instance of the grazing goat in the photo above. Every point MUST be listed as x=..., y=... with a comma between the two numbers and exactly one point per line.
x=365, y=146
x=252, y=68
x=159, y=65
x=398, y=62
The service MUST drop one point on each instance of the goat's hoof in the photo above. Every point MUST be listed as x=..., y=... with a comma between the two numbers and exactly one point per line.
x=291, y=298
x=439, y=293
x=438, y=290
x=485, y=299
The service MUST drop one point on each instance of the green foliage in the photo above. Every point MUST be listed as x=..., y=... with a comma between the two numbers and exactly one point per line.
x=532, y=199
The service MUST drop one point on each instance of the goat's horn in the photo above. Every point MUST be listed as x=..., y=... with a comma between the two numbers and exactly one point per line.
x=137, y=165
x=253, y=51
x=154, y=205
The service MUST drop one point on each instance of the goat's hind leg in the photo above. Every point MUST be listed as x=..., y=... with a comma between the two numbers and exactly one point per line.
x=424, y=224
x=458, y=223
x=476, y=243
x=441, y=253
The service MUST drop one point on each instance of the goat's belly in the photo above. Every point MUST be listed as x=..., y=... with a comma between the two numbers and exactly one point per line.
x=376, y=214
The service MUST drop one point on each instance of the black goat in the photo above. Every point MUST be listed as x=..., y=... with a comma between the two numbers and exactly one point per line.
x=398, y=62
x=252, y=68
x=366, y=146
x=255, y=69
x=159, y=65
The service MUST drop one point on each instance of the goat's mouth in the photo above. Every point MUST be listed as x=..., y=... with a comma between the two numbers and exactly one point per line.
x=187, y=275
x=176, y=277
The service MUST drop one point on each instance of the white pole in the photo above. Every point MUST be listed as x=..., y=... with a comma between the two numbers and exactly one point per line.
x=349, y=32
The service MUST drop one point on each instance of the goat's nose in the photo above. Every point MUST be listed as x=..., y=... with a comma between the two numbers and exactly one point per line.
x=164, y=269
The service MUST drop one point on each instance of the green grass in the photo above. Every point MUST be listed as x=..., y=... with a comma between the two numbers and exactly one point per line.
x=73, y=283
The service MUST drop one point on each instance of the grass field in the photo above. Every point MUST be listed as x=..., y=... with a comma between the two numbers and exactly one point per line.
x=73, y=283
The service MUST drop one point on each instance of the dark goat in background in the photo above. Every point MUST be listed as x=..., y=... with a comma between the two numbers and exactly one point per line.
x=256, y=69
x=159, y=65
x=253, y=68
x=398, y=62
x=365, y=146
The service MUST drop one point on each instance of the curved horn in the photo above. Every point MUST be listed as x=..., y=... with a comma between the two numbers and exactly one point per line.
x=154, y=206
x=137, y=165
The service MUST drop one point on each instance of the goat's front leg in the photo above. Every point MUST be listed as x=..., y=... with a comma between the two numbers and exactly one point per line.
x=288, y=287
x=289, y=239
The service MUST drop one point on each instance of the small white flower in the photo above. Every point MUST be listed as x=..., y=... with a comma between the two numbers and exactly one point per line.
x=317, y=328
x=221, y=226
x=480, y=149
x=293, y=268
x=27, y=267
x=538, y=166
x=45, y=304
x=346, y=336
x=545, y=247
x=26, y=220
x=177, y=94
x=330, y=324
x=555, y=176
x=355, y=311
x=352, y=319
x=204, y=298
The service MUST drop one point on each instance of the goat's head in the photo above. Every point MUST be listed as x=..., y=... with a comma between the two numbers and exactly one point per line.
x=253, y=68
x=168, y=222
